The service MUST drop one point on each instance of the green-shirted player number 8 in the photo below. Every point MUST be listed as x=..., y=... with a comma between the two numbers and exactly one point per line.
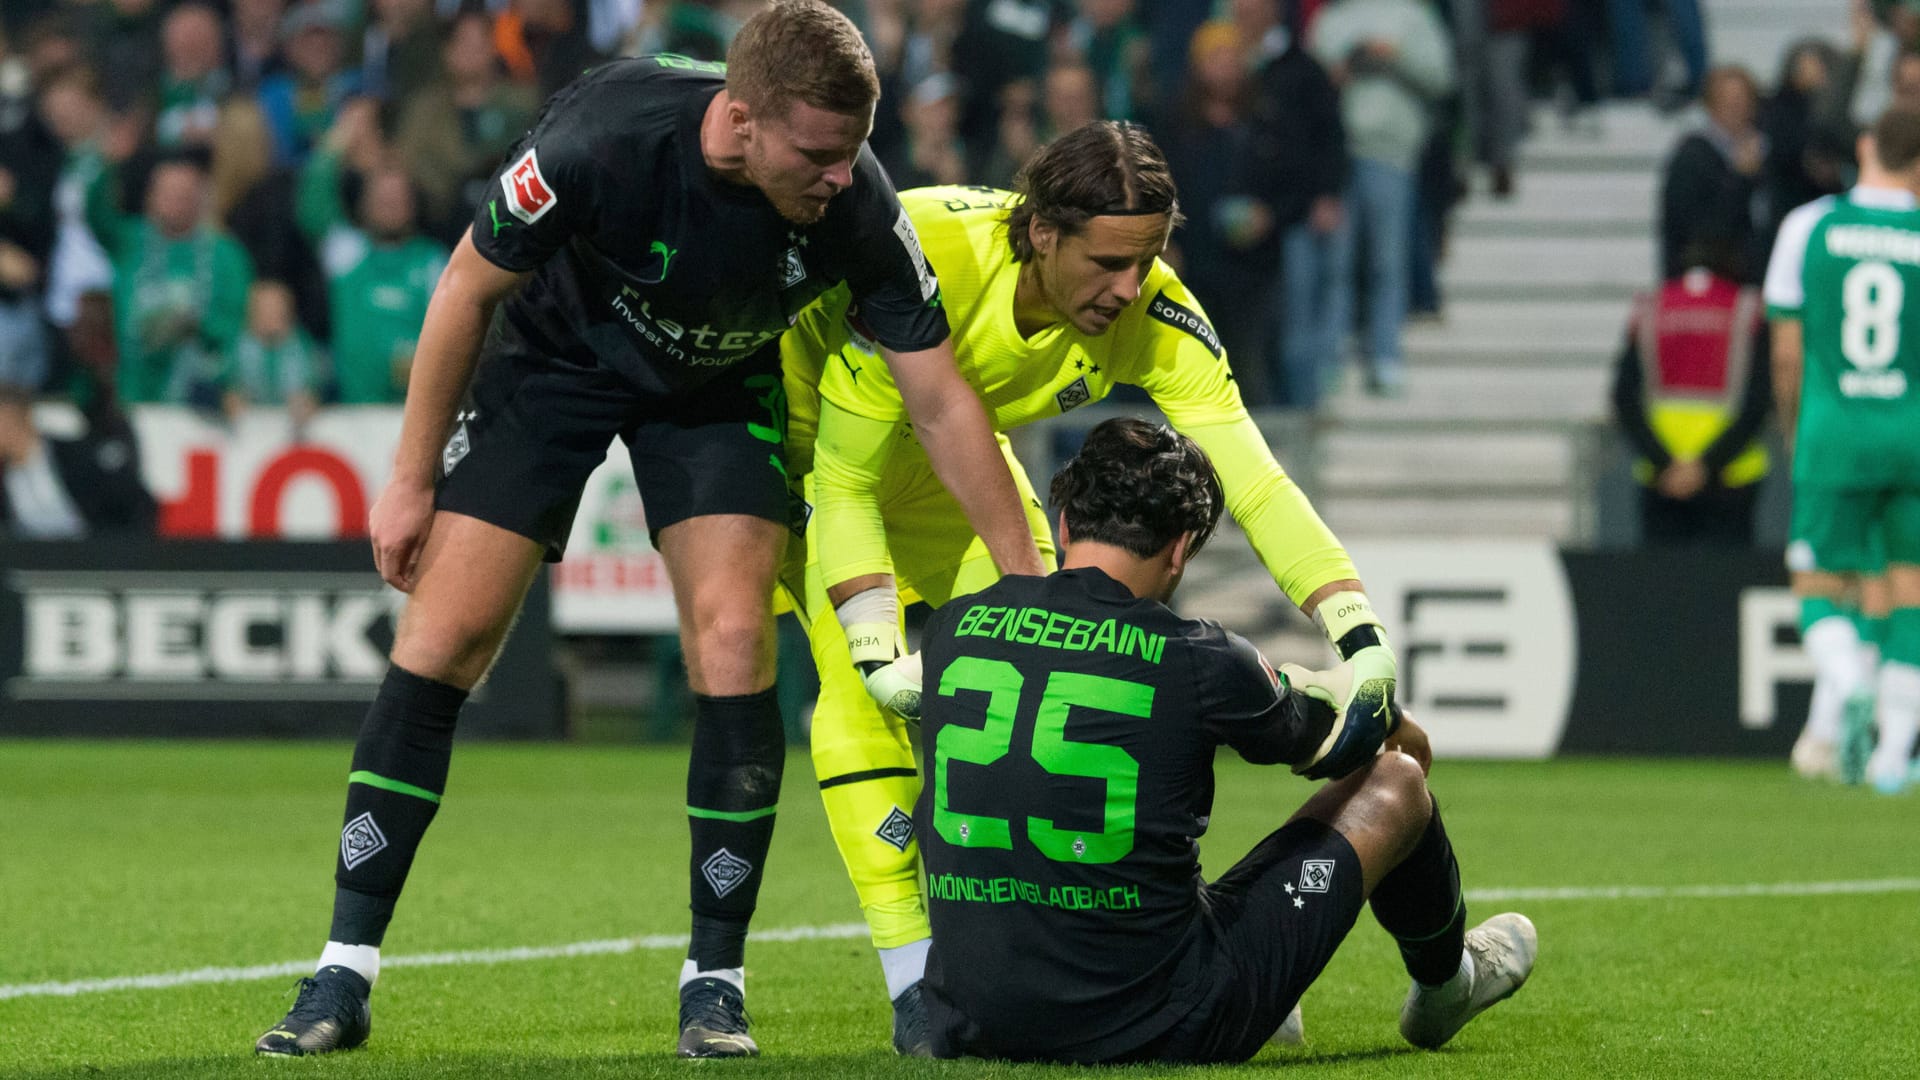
x=1056, y=753
x=1871, y=296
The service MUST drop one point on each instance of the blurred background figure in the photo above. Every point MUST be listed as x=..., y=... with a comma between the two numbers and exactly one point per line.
x=29, y=163
x=1298, y=169
x=380, y=271
x=301, y=102
x=253, y=51
x=180, y=284
x=454, y=131
x=1692, y=392
x=1714, y=183
x=64, y=489
x=400, y=51
x=1227, y=249
x=1392, y=61
x=274, y=362
x=1637, y=61
x=194, y=79
x=1110, y=42
x=931, y=151
x=1807, y=125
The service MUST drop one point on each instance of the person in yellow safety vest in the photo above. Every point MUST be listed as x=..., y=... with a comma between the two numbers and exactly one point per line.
x=1691, y=393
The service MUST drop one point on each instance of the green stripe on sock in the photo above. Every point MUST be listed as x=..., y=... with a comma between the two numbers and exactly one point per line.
x=376, y=780
x=732, y=815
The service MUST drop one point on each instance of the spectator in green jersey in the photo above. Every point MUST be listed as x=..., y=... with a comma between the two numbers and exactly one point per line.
x=380, y=271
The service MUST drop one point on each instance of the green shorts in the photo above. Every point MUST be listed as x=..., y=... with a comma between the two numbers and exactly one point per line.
x=1854, y=531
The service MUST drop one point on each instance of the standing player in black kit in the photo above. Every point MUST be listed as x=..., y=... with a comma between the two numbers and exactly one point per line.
x=646, y=245
x=1070, y=723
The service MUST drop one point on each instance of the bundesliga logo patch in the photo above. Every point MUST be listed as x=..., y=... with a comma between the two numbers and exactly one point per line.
x=897, y=829
x=1316, y=875
x=528, y=196
x=725, y=871
x=361, y=840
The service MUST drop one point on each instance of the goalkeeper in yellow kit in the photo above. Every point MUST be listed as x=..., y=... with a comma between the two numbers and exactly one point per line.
x=1055, y=294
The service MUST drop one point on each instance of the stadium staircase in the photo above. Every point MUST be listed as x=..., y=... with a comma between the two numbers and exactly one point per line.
x=1503, y=429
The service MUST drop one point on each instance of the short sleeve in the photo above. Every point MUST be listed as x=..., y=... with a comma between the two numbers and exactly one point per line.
x=1243, y=703
x=539, y=200
x=894, y=285
x=1186, y=369
x=1786, y=289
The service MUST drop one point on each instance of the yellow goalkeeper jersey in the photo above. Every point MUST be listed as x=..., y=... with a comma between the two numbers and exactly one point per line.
x=1161, y=343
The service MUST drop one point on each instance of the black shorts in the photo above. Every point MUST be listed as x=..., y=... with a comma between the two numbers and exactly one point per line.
x=535, y=426
x=1275, y=920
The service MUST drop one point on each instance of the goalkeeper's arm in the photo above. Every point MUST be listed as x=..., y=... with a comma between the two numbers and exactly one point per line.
x=850, y=537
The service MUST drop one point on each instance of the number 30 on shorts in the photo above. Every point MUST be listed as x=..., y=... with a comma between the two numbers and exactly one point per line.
x=1051, y=748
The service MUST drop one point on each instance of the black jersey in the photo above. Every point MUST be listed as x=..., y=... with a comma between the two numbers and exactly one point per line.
x=1069, y=730
x=649, y=263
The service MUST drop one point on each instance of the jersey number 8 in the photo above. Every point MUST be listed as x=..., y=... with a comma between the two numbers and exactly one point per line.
x=1871, y=297
x=1051, y=748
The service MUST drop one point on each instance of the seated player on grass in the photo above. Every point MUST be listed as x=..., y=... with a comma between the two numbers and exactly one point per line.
x=1069, y=726
x=1056, y=294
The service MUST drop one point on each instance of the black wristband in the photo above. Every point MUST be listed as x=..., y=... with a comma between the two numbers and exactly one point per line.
x=1364, y=636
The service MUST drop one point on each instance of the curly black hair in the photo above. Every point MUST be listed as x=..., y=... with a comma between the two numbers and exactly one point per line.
x=1138, y=486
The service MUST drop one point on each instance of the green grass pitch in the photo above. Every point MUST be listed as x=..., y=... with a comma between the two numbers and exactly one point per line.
x=124, y=859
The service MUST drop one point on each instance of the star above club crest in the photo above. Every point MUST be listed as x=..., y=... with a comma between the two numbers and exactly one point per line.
x=1299, y=903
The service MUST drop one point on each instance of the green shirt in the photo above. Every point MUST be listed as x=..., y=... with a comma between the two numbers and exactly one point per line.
x=377, y=291
x=268, y=373
x=178, y=303
x=1848, y=267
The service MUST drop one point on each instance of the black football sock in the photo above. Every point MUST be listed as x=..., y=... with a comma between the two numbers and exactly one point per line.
x=733, y=789
x=1419, y=902
x=399, y=773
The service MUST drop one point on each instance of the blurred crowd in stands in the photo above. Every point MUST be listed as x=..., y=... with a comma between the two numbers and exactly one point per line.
x=225, y=203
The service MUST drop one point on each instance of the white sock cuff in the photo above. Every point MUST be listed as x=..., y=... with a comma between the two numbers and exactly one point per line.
x=1834, y=647
x=736, y=976
x=880, y=604
x=904, y=965
x=364, y=959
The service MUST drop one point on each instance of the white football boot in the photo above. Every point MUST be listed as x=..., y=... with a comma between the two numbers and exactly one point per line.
x=1815, y=759
x=1292, y=1031
x=1500, y=956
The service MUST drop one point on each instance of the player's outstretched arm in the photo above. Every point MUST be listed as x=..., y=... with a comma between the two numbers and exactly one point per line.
x=443, y=361
x=952, y=425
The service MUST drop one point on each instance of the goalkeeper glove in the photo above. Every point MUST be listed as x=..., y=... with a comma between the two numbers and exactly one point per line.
x=892, y=679
x=1360, y=689
x=896, y=686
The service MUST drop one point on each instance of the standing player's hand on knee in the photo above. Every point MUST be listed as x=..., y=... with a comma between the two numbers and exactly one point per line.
x=398, y=526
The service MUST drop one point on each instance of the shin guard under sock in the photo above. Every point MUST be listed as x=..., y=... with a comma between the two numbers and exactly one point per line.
x=1420, y=904
x=733, y=790
x=399, y=773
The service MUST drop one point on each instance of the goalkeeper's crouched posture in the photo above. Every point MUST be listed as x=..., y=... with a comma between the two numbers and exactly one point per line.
x=1056, y=294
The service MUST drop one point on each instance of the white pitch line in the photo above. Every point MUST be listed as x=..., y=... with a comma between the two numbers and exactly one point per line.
x=1700, y=892
x=848, y=931
x=608, y=947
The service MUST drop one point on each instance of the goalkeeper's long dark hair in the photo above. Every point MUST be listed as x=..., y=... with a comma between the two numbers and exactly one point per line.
x=1104, y=167
x=1138, y=486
